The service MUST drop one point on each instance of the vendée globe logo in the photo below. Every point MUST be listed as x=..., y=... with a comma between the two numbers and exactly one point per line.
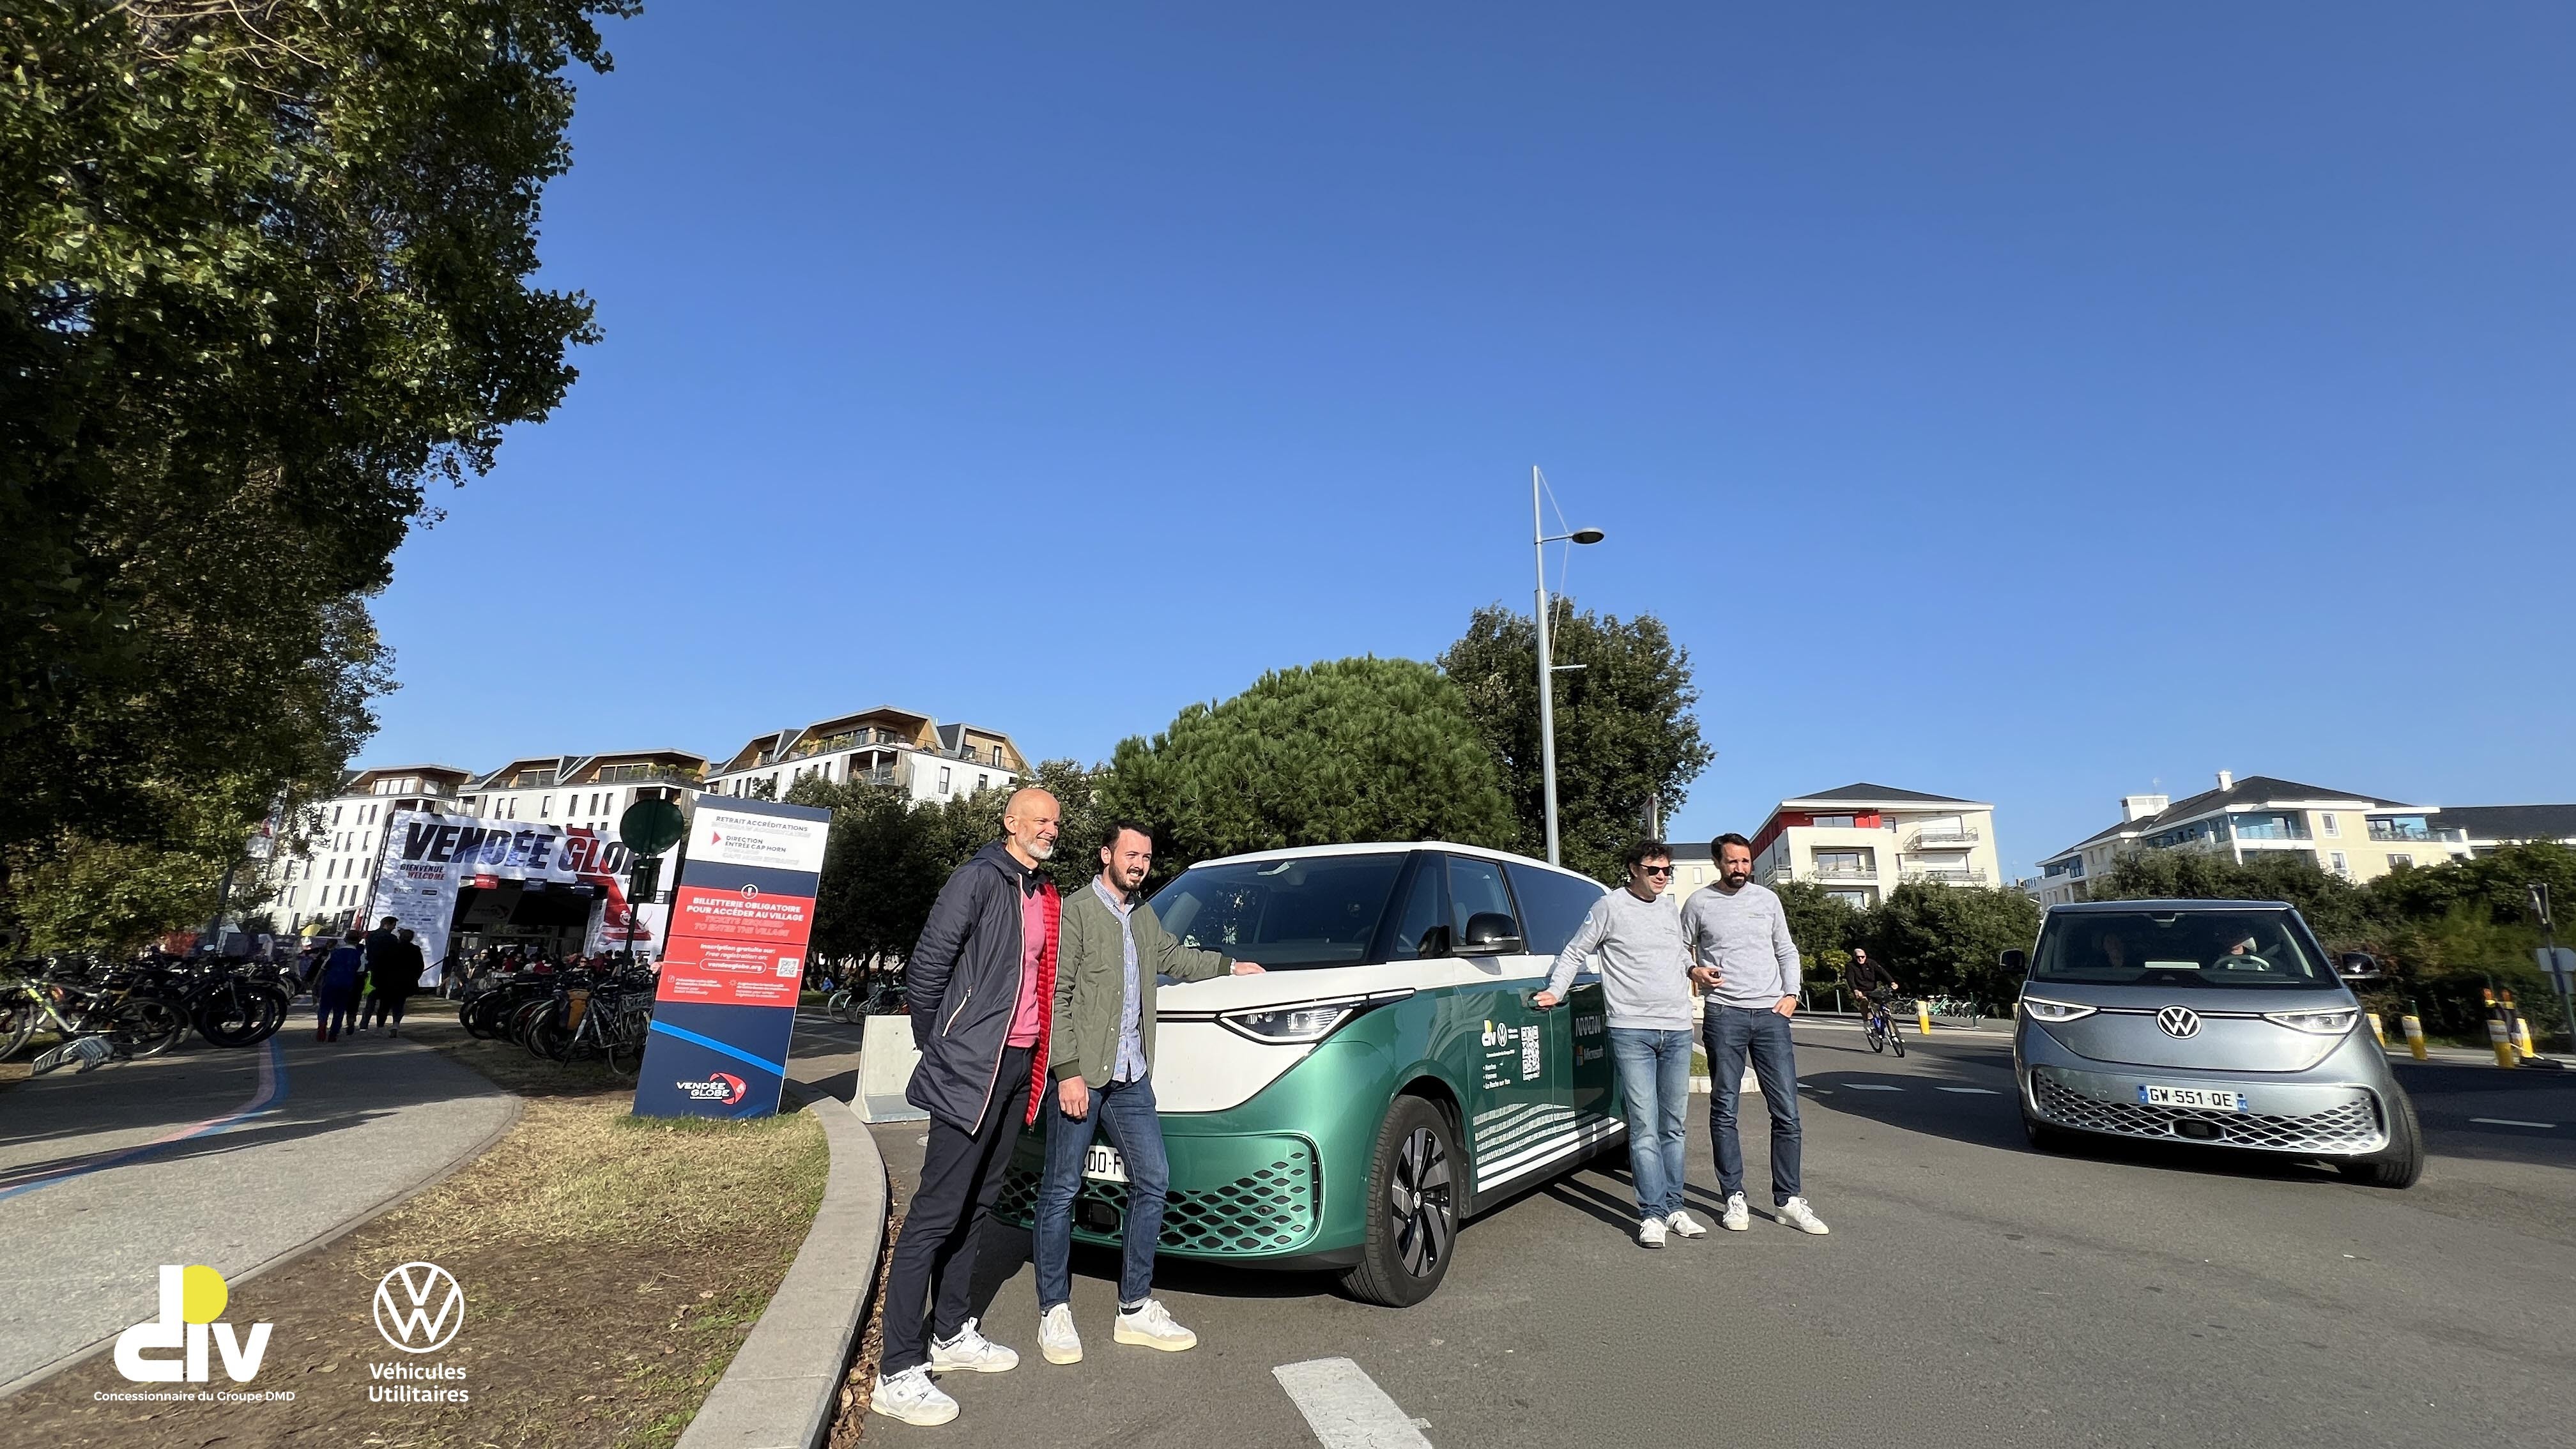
x=419, y=1307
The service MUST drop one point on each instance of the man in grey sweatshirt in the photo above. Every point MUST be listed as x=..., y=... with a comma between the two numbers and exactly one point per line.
x=1636, y=935
x=1748, y=967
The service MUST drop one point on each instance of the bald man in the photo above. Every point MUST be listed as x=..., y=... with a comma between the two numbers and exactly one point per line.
x=981, y=985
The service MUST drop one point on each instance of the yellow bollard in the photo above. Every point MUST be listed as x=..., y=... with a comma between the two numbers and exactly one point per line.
x=2378, y=1031
x=1923, y=1016
x=2413, y=1026
x=2521, y=1026
x=2497, y=1036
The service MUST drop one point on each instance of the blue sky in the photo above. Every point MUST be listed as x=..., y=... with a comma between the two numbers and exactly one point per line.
x=2034, y=403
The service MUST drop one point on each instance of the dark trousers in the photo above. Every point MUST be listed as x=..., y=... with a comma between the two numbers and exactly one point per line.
x=336, y=1007
x=934, y=1255
x=381, y=1009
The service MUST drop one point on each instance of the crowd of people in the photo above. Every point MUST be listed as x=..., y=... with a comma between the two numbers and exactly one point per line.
x=362, y=982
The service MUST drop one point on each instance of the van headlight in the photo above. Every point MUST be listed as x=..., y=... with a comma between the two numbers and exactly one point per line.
x=2333, y=1021
x=2040, y=1008
x=1306, y=1022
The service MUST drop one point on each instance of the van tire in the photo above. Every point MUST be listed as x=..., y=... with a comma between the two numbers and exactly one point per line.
x=1416, y=1196
x=2403, y=1161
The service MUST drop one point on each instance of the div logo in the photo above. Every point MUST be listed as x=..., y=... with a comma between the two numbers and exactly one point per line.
x=192, y=1298
x=419, y=1307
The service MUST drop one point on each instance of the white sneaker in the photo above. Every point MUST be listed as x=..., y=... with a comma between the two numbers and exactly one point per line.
x=1797, y=1214
x=971, y=1352
x=1685, y=1225
x=1737, y=1216
x=1057, y=1338
x=1150, y=1324
x=1650, y=1233
x=911, y=1397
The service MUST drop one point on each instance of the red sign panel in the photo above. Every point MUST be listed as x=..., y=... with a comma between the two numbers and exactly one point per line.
x=736, y=947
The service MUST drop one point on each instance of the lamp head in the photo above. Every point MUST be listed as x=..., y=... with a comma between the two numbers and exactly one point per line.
x=1587, y=535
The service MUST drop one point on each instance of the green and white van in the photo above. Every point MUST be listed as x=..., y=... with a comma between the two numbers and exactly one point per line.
x=1386, y=1079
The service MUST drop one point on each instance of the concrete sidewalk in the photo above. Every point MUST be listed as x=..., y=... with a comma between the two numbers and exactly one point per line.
x=236, y=1159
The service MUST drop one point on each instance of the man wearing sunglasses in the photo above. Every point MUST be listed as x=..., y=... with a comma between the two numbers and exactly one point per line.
x=1645, y=981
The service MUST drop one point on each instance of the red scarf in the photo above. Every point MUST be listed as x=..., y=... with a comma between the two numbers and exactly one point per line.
x=1046, y=1000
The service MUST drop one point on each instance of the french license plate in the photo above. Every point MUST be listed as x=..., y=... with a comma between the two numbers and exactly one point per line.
x=1102, y=1163
x=2209, y=1097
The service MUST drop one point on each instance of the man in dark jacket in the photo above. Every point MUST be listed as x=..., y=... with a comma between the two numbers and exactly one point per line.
x=981, y=993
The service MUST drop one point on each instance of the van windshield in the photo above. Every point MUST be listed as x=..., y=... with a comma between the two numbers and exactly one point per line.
x=1308, y=911
x=2180, y=948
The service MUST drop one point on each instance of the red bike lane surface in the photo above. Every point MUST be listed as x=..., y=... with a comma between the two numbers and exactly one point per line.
x=233, y=1158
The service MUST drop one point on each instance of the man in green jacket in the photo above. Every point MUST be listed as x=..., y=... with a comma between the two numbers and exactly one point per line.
x=1100, y=1055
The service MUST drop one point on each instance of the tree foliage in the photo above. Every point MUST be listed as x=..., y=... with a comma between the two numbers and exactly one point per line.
x=264, y=275
x=1947, y=940
x=1824, y=925
x=1625, y=731
x=1351, y=750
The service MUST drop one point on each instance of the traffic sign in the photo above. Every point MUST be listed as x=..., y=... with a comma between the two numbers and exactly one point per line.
x=650, y=827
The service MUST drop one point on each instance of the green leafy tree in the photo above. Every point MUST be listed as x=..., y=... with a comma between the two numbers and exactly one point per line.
x=1625, y=731
x=2335, y=909
x=264, y=276
x=1940, y=939
x=1351, y=750
x=1824, y=925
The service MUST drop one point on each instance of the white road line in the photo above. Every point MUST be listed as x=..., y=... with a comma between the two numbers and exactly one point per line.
x=2515, y=1122
x=1345, y=1407
x=1872, y=1087
x=1974, y=1091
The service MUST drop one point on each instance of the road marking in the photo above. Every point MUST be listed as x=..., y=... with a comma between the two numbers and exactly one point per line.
x=1346, y=1408
x=270, y=1092
x=1974, y=1091
x=2515, y=1122
x=1872, y=1087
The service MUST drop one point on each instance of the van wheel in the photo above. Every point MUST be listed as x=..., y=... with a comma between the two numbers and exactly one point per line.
x=2403, y=1162
x=1413, y=1199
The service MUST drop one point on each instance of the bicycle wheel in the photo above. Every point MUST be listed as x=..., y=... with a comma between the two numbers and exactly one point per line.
x=838, y=1007
x=1876, y=1036
x=18, y=1018
x=146, y=1026
x=1895, y=1039
x=241, y=1013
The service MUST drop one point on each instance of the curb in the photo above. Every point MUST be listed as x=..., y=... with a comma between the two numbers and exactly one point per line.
x=783, y=1388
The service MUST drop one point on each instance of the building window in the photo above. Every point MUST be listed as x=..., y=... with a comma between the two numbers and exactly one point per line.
x=2332, y=829
x=943, y=779
x=335, y=814
x=545, y=807
x=1831, y=822
x=2336, y=856
x=981, y=781
x=2400, y=862
x=1699, y=874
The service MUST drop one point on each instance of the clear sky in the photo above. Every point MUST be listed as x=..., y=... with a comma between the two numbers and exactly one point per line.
x=2028, y=402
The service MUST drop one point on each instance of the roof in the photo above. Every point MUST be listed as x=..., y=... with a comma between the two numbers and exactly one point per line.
x=2252, y=791
x=2510, y=822
x=2092, y=908
x=1867, y=794
x=1388, y=847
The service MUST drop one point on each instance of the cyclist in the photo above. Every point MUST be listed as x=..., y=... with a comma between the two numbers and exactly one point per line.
x=1870, y=982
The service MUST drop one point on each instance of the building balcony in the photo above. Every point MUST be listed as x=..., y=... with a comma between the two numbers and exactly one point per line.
x=1947, y=875
x=1843, y=874
x=1945, y=838
x=643, y=775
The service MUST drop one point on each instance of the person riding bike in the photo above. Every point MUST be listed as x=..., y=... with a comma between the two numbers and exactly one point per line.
x=1870, y=982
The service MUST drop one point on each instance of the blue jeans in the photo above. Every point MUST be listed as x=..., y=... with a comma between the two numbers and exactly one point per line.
x=1654, y=1080
x=1732, y=1032
x=1136, y=1130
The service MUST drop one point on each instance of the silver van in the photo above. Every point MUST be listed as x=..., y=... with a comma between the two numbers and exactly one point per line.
x=2216, y=1022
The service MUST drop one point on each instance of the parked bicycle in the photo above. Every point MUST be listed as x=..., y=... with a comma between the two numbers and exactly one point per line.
x=76, y=1001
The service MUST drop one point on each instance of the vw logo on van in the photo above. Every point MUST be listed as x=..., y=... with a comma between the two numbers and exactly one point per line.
x=2179, y=1021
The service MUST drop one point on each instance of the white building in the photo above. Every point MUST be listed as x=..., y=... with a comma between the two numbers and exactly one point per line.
x=931, y=762
x=326, y=883
x=1860, y=842
x=582, y=790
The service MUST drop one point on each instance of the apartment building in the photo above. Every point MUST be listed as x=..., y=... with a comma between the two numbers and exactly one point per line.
x=582, y=790
x=2360, y=837
x=929, y=761
x=324, y=884
x=1861, y=841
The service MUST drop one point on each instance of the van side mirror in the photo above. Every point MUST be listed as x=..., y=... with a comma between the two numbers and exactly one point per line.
x=2358, y=966
x=2016, y=962
x=1491, y=933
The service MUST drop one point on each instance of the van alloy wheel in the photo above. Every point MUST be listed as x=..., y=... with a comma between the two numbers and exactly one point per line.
x=1419, y=1207
x=1414, y=1202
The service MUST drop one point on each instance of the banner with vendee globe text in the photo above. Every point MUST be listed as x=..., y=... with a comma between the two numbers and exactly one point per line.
x=734, y=961
x=430, y=858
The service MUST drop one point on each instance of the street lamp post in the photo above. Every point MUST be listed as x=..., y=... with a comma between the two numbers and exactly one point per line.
x=1540, y=538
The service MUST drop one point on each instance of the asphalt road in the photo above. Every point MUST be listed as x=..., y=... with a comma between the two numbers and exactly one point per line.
x=1973, y=1293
